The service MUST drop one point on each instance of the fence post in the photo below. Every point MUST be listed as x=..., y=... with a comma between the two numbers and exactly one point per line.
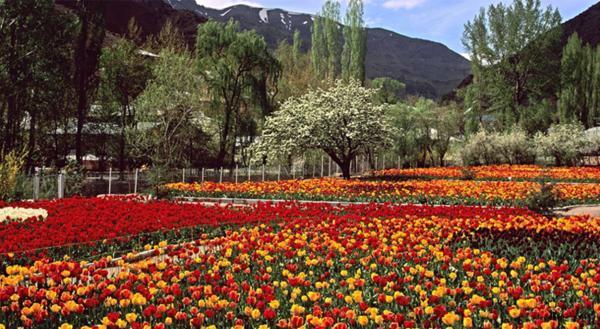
x=36, y=185
x=293, y=171
x=135, y=181
x=236, y=173
x=314, y=168
x=398, y=162
x=183, y=175
x=202, y=177
x=221, y=175
x=375, y=163
x=109, y=180
x=60, y=192
x=278, y=172
x=322, y=169
x=263, y=172
x=249, y=171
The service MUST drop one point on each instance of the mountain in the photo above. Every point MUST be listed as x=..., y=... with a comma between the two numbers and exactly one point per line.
x=428, y=68
x=586, y=24
x=150, y=15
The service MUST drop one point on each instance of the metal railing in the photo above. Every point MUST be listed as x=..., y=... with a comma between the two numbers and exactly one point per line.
x=48, y=184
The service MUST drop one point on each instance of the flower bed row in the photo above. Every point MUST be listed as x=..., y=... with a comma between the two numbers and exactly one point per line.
x=86, y=227
x=497, y=172
x=420, y=191
x=320, y=266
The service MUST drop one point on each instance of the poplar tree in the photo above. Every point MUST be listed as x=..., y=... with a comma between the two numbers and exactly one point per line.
x=297, y=46
x=354, y=51
x=318, y=50
x=580, y=73
x=326, y=41
x=333, y=38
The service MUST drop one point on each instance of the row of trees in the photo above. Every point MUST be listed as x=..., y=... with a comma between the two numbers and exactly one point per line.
x=204, y=102
x=241, y=84
x=518, y=75
x=47, y=72
x=514, y=70
x=339, y=51
x=65, y=88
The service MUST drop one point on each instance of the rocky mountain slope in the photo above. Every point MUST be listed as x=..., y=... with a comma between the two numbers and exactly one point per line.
x=150, y=15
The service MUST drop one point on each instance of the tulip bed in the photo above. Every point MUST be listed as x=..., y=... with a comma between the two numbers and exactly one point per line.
x=87, y=228
x=496, y=172
x=312, y=266
x=412, y=191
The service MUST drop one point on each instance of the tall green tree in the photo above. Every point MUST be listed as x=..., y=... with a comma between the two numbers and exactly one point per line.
x=318, y=48
x=511, y=54
x=297, y=73
x=580, y=90
x=355, y=42
x=124, y=73
x=34, y=64
x=389, y=91
x=327, y=41
x=88, y=47
x=237, y=68
x=169, y=113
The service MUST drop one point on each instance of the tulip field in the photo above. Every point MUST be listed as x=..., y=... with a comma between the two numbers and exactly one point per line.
x=126, y=262
x=498, y=172
x=440, y=191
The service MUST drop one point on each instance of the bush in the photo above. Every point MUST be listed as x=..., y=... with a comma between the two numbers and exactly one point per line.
x=543, y=200
x=486, y=148
x=563, y=142
x=515, y=146
x=480, y=149
x=10, y=168
x=75, y=178
x=592, y=146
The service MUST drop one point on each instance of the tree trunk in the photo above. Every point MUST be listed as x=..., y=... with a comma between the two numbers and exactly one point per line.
x=80, y=83
x=345, y=166
x=11, y=99
x=31, y=142
x=122, y=145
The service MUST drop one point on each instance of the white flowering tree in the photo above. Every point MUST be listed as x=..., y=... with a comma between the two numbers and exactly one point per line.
x=341, y=121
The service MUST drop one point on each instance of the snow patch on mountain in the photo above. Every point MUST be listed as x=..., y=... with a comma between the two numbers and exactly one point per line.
x=264, y=15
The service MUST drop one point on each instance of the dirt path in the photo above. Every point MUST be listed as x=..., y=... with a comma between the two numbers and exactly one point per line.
x=593, y=211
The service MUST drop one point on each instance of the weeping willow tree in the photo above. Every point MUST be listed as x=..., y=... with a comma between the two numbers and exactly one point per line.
x=238, y=70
